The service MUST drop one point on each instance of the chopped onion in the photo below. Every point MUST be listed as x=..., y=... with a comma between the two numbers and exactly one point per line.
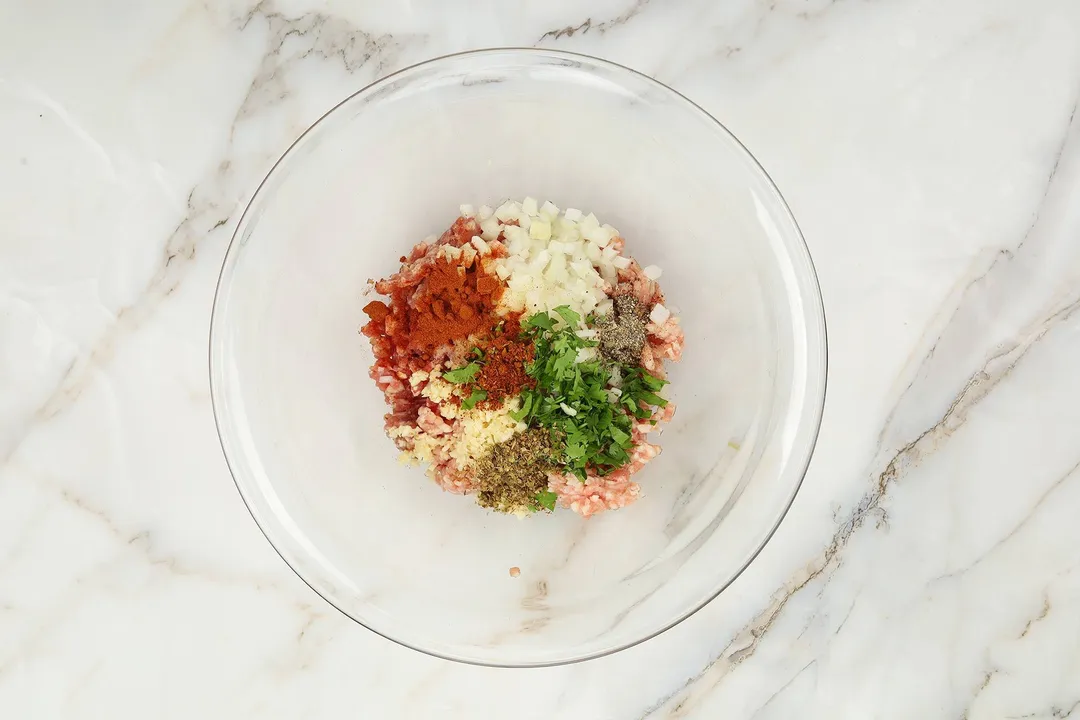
x=467, y=211
x=602, y=236
x=653, y=272
x=490, y=228
x=585, y=355
x=659, y=314
x=481, y=247
x=567, y=409
x=554, y=259
x=508, y=211
x=540, y=230
x=621, y=262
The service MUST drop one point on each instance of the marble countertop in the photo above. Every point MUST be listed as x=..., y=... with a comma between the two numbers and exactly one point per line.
x=930, y=567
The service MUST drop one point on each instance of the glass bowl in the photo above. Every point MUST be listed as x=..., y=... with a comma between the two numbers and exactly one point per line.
x=301, y=424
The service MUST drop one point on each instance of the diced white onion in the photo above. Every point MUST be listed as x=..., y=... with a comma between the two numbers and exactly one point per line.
x=509, y=210
x=653, y=272
x=481, y=247
x=553, y=260
x=490, y=228
x=585, y=355
x=467, y=211
x=621, y=262
x=659, y=314
x=540, y=230
x=568, y=410
x=599, y=235
x=485, y=212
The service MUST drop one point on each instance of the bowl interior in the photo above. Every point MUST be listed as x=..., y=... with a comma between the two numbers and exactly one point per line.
x=301, y=422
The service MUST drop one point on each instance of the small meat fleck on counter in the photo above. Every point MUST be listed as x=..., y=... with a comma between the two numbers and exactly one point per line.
x=515, y=571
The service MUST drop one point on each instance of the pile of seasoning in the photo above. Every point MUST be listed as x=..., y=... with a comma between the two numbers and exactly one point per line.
x=449, y=299
x=503, y=371
x=514, y=474
x=622, y=333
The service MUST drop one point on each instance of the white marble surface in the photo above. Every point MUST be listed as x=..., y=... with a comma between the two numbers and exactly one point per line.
x=930, y=567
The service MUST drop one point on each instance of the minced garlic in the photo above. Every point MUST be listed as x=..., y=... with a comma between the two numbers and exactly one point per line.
x=437, y=389
x=480, y=429
x=475, y=432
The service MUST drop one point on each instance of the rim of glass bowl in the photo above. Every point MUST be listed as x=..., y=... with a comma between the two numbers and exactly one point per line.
x=814, y=313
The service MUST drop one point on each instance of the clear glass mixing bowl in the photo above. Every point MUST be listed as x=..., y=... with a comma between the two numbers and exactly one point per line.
x=301, y=423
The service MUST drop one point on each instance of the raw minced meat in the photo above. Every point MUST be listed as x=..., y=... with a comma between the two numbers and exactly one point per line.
x=551, y=277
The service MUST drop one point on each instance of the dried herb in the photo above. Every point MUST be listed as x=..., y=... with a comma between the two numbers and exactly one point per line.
x=514, y=474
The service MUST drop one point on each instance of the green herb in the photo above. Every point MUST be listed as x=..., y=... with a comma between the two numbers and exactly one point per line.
x=478, y=354
x=514, y=473
x=640, y=387
x=470, y=402
x=546, y=499
x=598, y=435
x=463, y=374
x=526, y=407
x=568, y=315
x=540, y=320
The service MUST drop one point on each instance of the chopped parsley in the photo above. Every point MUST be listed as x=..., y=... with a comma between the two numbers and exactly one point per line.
x=595, y=433
x=546, y=499
x=476, y=396
x=540, y=321
x=639, y=388
x=462, y=374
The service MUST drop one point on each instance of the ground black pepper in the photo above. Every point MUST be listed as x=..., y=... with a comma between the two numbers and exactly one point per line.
x=622, y=333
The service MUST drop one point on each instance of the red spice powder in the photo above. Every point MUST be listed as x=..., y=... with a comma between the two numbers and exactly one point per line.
x=434, y=301
x=503, y=372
